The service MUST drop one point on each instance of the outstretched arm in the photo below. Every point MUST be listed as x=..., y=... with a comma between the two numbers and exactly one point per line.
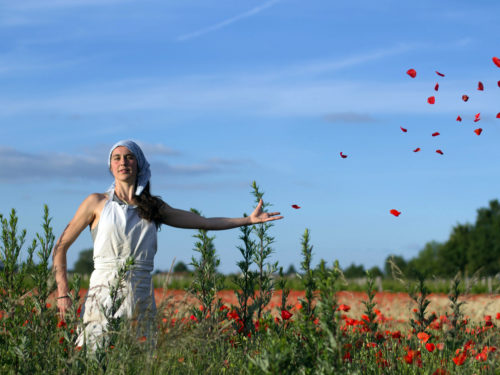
x=186, y=219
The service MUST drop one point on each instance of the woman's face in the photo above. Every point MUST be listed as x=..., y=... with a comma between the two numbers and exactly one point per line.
x=123, y=164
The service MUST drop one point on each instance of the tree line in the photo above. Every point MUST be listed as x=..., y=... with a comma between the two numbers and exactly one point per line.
x=471, y=249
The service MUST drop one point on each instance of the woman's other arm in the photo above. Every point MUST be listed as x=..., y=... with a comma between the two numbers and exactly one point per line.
x=186, y=219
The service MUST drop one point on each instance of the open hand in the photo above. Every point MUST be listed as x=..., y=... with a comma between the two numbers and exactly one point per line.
x=258, y=216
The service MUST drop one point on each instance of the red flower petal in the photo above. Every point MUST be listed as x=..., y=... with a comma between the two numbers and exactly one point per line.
x=342, y=155
x=285, y=315
x=498, y=83
x=417, y=149
x=412, y=73
x=465, y=98
x=478, y=131
x=295, y=206
x=459, y=118
x=431, y=100
x=439, y=74
x=496, y=61
x=439, y=152
x=480, y=86
x=403, y=129
x=477, y=117
x=498, y=115
x=395, y=212
x=435, y=134
x=436, y=87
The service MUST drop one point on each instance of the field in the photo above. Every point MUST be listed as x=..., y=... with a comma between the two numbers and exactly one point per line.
x=393, y=306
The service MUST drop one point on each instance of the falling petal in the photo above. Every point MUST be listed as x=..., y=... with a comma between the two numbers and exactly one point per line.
x=465, y=98
x=431, y=100
x=412, y=73
x=498, y=83
x=295, y=206
x=439, y=152
x=439, y=74
x=459, y=118
x=478, y=131
x=403, y=129
x=477, y=117
x=395, y=212
x=435, y=134
x=417, y=149
x=342, y=155
x=436, y=87
x=480, y=86
x=496, y=61
x=498, y=115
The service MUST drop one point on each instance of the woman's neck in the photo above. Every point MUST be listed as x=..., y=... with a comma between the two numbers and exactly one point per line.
x=125, y=192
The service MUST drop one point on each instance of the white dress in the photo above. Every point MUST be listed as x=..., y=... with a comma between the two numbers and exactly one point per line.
x=120, y=234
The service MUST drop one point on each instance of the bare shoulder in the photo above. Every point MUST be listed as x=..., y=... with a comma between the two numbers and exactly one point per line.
x=94, y=200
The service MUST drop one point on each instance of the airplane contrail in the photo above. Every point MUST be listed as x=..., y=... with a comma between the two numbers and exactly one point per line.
x=220, y=25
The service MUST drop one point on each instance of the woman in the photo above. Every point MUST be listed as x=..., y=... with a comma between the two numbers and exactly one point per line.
x=124, y=222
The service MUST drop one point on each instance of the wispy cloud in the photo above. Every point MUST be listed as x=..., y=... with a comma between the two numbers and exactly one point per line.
x=227, y=22
x=21, y=166
x=348, y=118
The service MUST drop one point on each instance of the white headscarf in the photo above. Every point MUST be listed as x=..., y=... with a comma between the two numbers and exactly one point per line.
x=143, y=171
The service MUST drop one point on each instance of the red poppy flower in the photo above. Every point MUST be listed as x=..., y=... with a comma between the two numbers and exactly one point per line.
x=61, y=324
x=459, y=118
x=395, y=212
x=435, y=134
x=460, y=359
x=285, y=315
x=343, y=307
x=142, y=339
x=412, y=73
x=440, y=371
x=422, y=336
x=431, y=100
x=430, y=347
x=436, y=87
x=465, y=98
x=417, y=149
x=439, y=152
x=496, y=61
x=403, y=129
x=478, y=131
x=61, y=340
x=295, y=206
x=480, y=86
x=342, y=155
x=193, y=318
x=439, y=74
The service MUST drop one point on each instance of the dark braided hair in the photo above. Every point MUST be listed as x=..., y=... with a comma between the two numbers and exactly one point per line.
x=148, y=206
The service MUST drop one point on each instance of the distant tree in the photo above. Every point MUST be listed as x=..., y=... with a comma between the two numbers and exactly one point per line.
x=484, y=247
x=180, y=267
x=85, y=263
x=453, y=256
x=354, y=271
x=427, y=263
x=291, y=270
x=375, y=271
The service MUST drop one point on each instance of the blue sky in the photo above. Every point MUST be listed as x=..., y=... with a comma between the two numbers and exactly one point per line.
x=221, y=93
